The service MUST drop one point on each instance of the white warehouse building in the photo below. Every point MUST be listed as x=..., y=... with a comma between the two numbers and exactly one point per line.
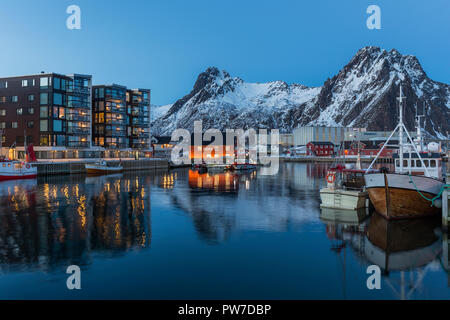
x=335, y=135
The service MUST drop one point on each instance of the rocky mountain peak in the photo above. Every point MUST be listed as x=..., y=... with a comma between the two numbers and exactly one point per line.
x=362, y=94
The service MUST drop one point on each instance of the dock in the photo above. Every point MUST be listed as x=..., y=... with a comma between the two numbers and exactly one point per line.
x=445, y=207
x=331, y=159
x=62, y=167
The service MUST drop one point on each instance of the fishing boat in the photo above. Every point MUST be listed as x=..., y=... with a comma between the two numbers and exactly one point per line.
x=101, y=168
x=412, y=189
x=12, y=170
x=16, y=169
x=345, y=189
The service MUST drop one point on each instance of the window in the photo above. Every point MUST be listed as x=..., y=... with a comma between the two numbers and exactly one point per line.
x=24, y=83
x=57, y=98
x=418, y=164
x=405, y=163
x=426, y=163
x=2, y=99
x=43, y=113
x=30, y=124
x=433, y=163
x=44, y=83
x=43, y=140
x=14, y=99
x=14, y=125
x=57, y=125
x=43, y=125
x=44, y=98
x=2, y=125
x=31, y=110
x=3, y=84
x=31, y=97
x=57, y=83
x=19, y=111
x=2, y=112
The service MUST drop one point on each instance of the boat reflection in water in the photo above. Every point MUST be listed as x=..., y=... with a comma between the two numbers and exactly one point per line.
x=66, y=220
x=403, y=244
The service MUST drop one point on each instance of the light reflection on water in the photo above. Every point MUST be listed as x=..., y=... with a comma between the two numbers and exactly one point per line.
x=221, y=235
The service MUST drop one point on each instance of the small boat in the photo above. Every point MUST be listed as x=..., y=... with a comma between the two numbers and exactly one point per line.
x=12, y=170
x=241, y=167
x=412, y=190
x=15, y=169
x=101, y=168
x=345, y=189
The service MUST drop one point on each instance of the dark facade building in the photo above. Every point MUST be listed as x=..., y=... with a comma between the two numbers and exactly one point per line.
x=64, y=116
x=138, y=110
x=110, y=120
x=52, y=110
x=121, y=117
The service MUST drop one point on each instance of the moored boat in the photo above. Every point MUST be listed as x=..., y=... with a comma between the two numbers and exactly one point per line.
x=345, y=189
x=241, y=167
x=412, y=189
x=12, y=170
x=101, y=168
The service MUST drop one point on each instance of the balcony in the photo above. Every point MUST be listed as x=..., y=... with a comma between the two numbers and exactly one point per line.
x=77, y=117
x=78, y=105
x=78, y=90
x=78, y=131
x=78, y=144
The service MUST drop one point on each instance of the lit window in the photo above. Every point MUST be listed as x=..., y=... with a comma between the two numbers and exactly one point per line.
x=24, y=83
x=14, y=99
x=19, y=111
x=14, y=125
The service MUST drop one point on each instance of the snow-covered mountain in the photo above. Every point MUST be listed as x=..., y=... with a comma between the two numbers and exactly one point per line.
x=362, y=94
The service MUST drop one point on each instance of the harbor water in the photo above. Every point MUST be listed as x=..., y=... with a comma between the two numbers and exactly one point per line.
x=180, y=234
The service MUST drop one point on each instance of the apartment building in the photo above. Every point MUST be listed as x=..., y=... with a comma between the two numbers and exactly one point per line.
x=52, y=111
x=121, y=117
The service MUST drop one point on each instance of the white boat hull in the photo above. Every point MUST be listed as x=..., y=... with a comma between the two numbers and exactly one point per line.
x=342, y=199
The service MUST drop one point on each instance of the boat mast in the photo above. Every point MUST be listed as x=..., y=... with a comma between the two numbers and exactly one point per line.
x=419, y=129
x=400, y=132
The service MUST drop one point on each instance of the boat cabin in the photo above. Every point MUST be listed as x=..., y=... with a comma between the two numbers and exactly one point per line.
x=413, y=165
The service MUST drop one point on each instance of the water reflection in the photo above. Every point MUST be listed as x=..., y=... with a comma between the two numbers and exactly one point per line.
x=405, y=250
x=64, y=220
x=402, y=244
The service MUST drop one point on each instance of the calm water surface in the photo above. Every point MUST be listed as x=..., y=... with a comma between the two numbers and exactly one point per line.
x=182, y=235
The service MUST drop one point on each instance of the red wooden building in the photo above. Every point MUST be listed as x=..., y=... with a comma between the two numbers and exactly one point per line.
x=320, y=149
x=366, y=148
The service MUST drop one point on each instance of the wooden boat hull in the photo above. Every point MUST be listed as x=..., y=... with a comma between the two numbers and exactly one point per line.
x=395, y=197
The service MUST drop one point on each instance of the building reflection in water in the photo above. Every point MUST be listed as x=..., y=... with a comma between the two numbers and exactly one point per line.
x=221, y=182
x=227, y=202
x=405, y=250
x=65, y=220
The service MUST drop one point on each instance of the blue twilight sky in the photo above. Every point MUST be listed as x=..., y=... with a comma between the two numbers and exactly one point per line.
x=164, y=45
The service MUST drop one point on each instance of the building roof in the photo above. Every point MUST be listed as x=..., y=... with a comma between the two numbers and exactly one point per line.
x=319, y=142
